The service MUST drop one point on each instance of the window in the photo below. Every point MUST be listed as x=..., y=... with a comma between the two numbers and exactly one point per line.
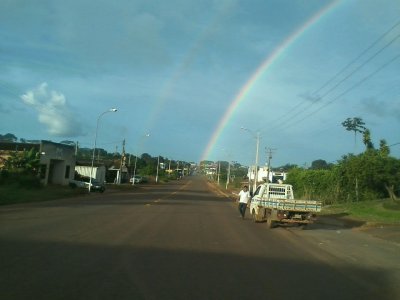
x=257, y=190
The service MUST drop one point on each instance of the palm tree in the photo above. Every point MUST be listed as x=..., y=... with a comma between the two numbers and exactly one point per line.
x=367, y=140
x=384, y=149
x=355, y=124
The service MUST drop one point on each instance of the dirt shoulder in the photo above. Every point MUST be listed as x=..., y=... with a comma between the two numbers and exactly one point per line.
x=389, y=232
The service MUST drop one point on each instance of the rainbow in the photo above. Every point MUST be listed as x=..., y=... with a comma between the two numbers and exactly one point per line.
x=181, y=68
x=270, y=59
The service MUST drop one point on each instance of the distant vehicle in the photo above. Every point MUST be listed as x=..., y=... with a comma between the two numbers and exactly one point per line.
x=138, y=179
x=84, y=183
x=96, y=186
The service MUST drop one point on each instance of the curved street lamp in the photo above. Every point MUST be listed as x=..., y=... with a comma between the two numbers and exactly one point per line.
x=95, y=141
x=257, y=137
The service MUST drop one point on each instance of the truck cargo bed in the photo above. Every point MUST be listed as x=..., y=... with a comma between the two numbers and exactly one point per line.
x=291, y=204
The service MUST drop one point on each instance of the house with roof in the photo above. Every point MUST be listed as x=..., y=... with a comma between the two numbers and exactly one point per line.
x=57, y=161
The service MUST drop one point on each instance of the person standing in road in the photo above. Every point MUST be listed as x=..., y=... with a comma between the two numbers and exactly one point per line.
x=244, y=197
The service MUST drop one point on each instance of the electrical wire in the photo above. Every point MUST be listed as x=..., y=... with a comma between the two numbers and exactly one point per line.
x=292, y=112
x=346, y=91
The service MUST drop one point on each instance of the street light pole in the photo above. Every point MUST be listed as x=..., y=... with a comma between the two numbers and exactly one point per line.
x=158, y=164
x=134, y=171
x=228, y=176
x=257, y=137
x=95, y=141
x=219, y=171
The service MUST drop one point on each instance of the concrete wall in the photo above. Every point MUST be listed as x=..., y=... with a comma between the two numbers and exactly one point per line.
x=57, y=163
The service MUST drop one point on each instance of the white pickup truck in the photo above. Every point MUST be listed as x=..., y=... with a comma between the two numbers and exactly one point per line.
x=275, y=204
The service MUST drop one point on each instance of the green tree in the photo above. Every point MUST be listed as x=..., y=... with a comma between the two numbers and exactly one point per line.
x=376, y=175
x=316, y=184
x=355, y=124
x=319, y=164
x=367, y=140
x=287, y=167
x=8, y=137
x=23, y=162
x=384, y=149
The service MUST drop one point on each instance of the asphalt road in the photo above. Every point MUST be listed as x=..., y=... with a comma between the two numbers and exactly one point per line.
x=182, y=240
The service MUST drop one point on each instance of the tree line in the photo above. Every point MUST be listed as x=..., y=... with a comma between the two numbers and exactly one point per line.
x=25, y=165
x=372, y=174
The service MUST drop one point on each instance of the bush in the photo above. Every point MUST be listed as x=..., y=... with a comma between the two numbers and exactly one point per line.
x=29, y=181
x=4, y=177
x=355, y=178
x=315, y=184
x=19, y=180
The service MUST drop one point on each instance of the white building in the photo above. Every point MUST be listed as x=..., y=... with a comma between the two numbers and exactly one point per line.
x=263, y=174
x=99, y=172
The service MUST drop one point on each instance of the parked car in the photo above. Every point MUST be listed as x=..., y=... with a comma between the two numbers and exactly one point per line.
x=97, y=186
x=84, y=183
x=137, y=178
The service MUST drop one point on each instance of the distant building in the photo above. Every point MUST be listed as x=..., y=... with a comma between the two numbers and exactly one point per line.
x=58, y=162
x=98, y=172
x=120, y=174
x=263, y=175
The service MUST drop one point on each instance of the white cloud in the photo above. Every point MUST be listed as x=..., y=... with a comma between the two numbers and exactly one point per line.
x=53, y=111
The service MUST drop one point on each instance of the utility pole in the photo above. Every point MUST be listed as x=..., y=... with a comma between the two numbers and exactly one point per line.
x=219, y=171
x=134, y=171
x=122, y=162
x=158, y=164
x=76, y=148
x=257, y=137
x=228, y=175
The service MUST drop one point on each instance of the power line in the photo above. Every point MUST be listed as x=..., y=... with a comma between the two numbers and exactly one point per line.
x=348, y=90
x=292, y=112
x=349, y=75
x=357, y=58
x=353, y=72
x=362, y=65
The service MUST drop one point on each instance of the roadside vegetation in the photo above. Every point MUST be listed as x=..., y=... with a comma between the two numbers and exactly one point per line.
x=20, y=183
x=364, y=187
x=373, y=212
x=20, y=172
x=13, y=195
x=370, y=175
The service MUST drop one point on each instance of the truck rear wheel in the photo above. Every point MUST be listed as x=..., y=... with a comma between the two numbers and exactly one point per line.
x=254, y=216
x=270, y=223
x=303, y=226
